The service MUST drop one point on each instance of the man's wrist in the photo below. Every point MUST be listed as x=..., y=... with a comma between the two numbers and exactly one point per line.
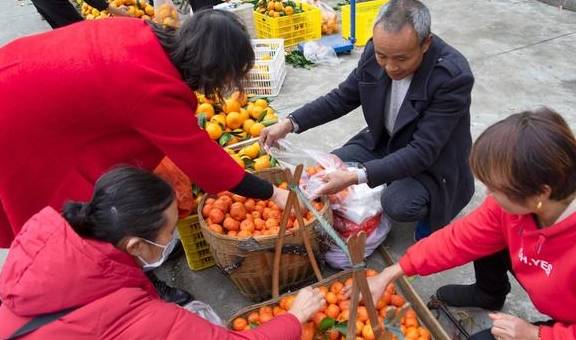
x=293, y=122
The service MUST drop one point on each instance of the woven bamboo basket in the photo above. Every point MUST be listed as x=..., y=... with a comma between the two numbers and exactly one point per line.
x=249, y=261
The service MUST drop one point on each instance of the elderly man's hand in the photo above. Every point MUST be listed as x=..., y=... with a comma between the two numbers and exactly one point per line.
x=337, y=181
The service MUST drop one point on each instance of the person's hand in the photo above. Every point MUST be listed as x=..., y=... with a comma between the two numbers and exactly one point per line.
x=337, y=181
x=270, y=135
x=378, y=283
x=280, y=197
x=307, y=303
x=510, y=327
x=118, y=11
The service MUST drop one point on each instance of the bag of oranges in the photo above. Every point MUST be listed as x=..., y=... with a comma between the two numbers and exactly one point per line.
x=166, y=14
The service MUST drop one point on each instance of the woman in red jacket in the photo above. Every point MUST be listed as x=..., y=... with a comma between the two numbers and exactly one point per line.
x=79, y=100
x=528, y=163
x=82, y=271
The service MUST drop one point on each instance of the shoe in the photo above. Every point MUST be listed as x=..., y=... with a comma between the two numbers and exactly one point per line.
x=423, y=230
x=470, y=296
x=170, y=294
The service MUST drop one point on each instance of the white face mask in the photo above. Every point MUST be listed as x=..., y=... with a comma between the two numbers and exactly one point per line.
x=166, y=250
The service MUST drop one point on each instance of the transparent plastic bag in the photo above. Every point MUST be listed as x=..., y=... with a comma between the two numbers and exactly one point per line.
x=329, y=16
x=205, y=312
x=320, y=54
x=165, y=13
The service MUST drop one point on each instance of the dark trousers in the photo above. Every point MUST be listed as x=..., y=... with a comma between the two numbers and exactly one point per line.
x=203, y=4
x=57, y=13
x=492, y=273
x=403, y=200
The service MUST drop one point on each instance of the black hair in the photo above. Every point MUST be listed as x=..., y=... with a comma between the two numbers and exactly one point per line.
x=212, y=51
x=127, y=201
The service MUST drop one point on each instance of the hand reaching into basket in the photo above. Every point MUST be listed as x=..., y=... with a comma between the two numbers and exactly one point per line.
x=378, y=283
x=270, y=135
x=307, y=303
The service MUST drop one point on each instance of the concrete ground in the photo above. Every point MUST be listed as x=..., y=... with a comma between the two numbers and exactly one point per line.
x=521, y=52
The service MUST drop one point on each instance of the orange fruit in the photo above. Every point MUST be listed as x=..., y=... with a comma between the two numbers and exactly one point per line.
x=272, y=222
x=289, y=301
x=207, y=109
x=390, y=288
x=397, y=300
x=239, y=324
x=244, y=116
x=323, y=291
x=256, y=129
x=254, y=317
x=359, y=327
x=278, y=311
x=368, y=333
x=261, y=103
x=332, y=311
x=241, y=97
x=265, y=309
x=318, y=317
x=344, y=315
x=214, y=130
x=219, y=119
x=231, y=224
x=424, y=333
x=238, y=198
x=348, y=282
x=336, y=287
x=216, y=228
x=411, y=322
x=259, y=224
x=248, y=124
x=362, y=314
x=412, y=333
x=206, y=210
x=266, y=317
x=220, y=204
x=262, y=162
x=331, y=298
x=232, y=233
x=216, y=215
x=226, y=199
x=308, y=331
x=233, y=120
x=387, y=297
x=410, y=313
x=232, y=105
x=332, y=334
x=247, y=225
x=344, y=304
x=238, y=211
x=249, y=205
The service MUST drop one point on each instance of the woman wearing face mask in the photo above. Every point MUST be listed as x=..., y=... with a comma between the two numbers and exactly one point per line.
x=82, y=270
x=528, y=163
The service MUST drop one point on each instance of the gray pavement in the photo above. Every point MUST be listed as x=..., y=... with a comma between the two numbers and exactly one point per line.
x=522, y=54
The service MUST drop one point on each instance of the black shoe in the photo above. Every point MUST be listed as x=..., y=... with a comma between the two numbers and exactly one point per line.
x=470, y=296
x=170, y=294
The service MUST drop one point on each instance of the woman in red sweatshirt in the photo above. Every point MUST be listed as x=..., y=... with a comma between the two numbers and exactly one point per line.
x=82, y=271
x=528, y=163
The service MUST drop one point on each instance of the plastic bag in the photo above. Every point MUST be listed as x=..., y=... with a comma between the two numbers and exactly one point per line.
x=181, y=184
x=329, y=16
x=336, y=258
x=320, y=54
x=347, y=228
x=360, y=204
x=204, y=311
x=165, y=13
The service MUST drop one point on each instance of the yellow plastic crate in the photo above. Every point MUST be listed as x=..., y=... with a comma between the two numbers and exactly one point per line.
x=197, y=250
x=366, y=13
x=294, y=29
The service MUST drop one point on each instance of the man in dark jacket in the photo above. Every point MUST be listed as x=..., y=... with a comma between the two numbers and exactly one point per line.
x=415, y=94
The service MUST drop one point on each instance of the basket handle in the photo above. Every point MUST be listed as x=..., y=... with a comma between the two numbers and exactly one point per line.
x=360, y=284
x=292, y=203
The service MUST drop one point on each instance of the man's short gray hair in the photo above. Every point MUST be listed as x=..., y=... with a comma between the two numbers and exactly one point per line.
x=394, y=15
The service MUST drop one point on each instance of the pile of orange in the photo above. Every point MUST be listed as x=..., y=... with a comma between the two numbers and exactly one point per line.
x=135, y=8
x=338, y=308
x=335, y=198
x=238, y=216
x=236, y=119
x=276, y=9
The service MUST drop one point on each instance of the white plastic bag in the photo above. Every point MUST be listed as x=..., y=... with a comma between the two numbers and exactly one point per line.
x=204, y=311
x=320, y=54
x=336, y=258
x=361, y=203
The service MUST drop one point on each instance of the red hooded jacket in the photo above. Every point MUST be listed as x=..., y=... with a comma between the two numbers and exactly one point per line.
x=79, y=100
x=542, y=259
x=50, y=268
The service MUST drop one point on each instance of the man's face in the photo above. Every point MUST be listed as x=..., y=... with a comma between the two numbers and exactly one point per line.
x=399, y=53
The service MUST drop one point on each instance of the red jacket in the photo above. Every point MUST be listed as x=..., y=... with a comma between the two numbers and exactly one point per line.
x=542, y=259
x=50, y=268
x=79, y=100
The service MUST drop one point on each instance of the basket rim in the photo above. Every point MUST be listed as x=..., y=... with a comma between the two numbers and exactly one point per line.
x=204, y=224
